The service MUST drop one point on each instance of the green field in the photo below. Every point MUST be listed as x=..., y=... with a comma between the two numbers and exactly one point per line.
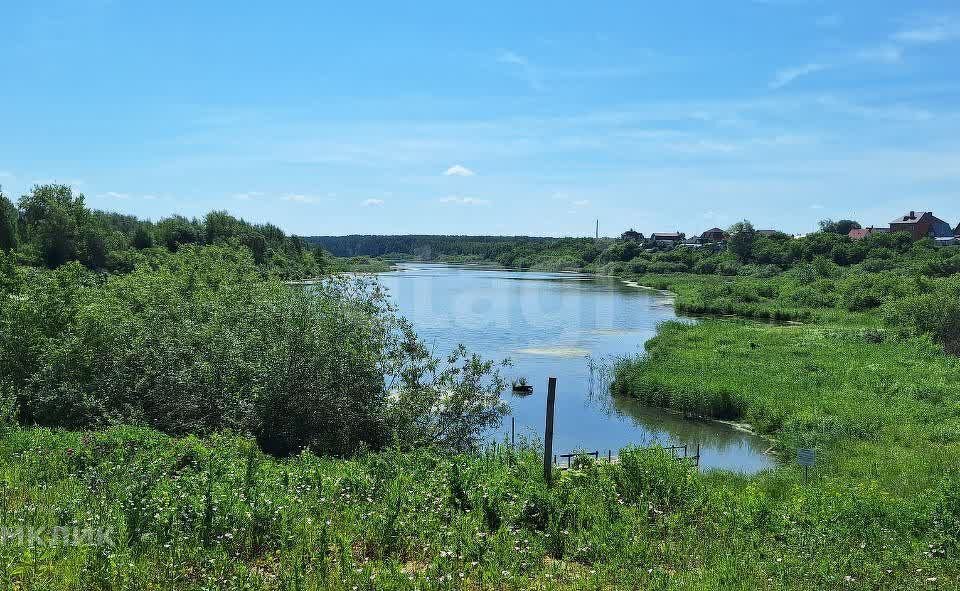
x=864, y=404
x=217, y=514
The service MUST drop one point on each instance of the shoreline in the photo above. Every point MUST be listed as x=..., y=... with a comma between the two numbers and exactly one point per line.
x=741, y=426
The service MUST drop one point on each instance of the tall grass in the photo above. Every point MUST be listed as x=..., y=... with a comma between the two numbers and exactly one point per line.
x=856, y=394
x=216, y=514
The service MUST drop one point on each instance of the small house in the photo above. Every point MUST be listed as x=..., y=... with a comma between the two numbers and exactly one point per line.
x=713, y=235
x=668, y=238
x=631, y=235
x=861, y=233
x=922, y=224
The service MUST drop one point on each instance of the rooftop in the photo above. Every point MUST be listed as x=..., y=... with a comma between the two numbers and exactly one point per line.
x=910, y=217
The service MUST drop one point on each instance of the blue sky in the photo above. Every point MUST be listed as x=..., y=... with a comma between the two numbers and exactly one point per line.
x=496, y=118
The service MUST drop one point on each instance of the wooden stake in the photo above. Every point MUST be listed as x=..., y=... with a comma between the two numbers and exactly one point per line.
x=548, y=431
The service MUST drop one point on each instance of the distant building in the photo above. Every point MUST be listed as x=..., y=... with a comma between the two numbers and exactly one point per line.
x=632, y=235
x=861, y=233
x=956, y=231
x=922, y=224
x=713, y=235
x=668, y=237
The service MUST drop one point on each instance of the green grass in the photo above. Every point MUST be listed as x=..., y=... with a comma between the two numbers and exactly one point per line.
x=887, y=410
x=774, y=299
x=813, y=383
x=216, y=514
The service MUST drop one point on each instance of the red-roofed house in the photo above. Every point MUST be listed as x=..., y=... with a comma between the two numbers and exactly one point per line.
x=922, y=224
x=861, y=233
x=713, y=235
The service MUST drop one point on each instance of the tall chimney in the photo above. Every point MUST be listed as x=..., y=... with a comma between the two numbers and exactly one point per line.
x=913, y=214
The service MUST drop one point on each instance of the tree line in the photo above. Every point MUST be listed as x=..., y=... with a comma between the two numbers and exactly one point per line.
x=51, y=226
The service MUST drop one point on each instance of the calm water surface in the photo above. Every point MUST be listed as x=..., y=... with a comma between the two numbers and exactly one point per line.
x=570, y=326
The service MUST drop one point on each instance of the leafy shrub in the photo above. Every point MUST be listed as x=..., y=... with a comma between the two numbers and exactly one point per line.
x=654, y=477
x=203, y=343
x=936, y=314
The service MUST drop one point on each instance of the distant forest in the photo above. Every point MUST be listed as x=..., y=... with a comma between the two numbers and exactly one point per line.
x=423, y=246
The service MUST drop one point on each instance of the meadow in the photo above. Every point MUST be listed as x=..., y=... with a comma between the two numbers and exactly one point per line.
x=215, y=513
x=863, y=402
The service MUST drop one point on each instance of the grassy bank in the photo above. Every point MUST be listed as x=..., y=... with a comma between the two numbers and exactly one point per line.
x=216, y=514
x=786, y=298
x=858, y=395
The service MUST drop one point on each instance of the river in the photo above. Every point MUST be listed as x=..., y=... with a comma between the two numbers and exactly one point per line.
x=570, y=326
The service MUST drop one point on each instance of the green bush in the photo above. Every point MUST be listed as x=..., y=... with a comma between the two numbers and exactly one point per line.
x=202, y=342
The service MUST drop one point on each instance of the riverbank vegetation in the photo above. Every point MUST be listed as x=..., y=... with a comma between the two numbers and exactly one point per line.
x=200, y=341
x=854, y=357
x=170, y=386
x=886, y=279
x=217, y=514
x=860, y=399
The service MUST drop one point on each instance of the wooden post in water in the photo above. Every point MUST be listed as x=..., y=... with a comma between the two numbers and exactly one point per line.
x=548, y=431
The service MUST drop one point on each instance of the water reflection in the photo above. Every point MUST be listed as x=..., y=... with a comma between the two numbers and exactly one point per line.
x=721, y=445
x=554, y=324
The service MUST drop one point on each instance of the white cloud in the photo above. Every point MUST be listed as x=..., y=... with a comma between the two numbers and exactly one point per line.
x=6, y=174
x=372, y=202
x=528, y=71
x=535, y=74
x=115, y=195
x=883, y=54
x=887, y=54
x=929, y=31
x=703, y=147
x=455, y=199
x=788, y=75
x=149, y=197
x=458, y=170
x=509, y=57
x=890, y=112
x=300, y=198
x=816, y=206
x=254, y=194
x=574, y=204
